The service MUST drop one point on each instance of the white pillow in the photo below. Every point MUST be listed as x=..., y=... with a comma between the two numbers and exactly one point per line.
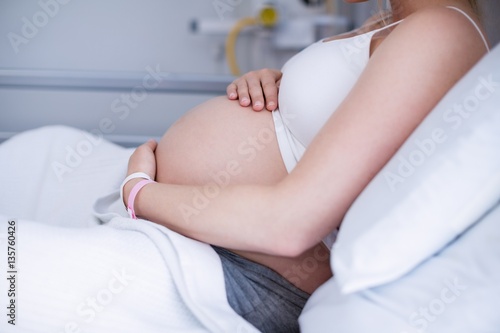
x=443, y=179
x=456, y=290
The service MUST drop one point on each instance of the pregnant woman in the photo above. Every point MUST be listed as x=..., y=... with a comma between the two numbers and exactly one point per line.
x=267, y=189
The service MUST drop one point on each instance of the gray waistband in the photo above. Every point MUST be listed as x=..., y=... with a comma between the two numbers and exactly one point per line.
x=260, y=295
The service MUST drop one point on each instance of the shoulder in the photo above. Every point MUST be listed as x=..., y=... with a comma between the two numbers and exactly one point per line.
x=421, y=59
x=443, y=28
x=440, y=40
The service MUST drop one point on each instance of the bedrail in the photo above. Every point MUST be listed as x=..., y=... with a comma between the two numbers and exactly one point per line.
x=150, y=80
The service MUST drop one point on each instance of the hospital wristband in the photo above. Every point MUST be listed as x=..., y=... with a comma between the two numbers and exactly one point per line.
x=129, y=178
x=131, y=198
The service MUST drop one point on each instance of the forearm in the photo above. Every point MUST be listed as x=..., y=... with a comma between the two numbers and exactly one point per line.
x=240, y=218
x=263, y=219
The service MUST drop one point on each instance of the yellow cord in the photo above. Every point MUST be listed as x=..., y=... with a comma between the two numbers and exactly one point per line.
x=268, y=17
x=232, y=38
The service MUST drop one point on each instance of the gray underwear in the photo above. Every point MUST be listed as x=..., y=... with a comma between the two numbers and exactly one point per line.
x=260, y=295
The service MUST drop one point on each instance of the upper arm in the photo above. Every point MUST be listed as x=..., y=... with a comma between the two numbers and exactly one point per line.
x=406, y=77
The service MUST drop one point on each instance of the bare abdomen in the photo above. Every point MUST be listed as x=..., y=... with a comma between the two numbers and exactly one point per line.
x=220, y=143
x=217, y=133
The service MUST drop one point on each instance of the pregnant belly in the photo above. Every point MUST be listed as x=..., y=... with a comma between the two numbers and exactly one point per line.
x=220, y=143
x=217, y=138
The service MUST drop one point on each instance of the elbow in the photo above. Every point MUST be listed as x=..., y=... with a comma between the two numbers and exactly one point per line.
x=293, y=250
x=291, y=229
x=297, y=237
x=290, y=244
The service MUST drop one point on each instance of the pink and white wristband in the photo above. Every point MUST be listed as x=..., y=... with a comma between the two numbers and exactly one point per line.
x=131, y=198
x=135, y=190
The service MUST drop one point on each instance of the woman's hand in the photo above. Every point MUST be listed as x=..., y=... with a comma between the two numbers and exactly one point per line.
x=257, y=88
x=142, y=160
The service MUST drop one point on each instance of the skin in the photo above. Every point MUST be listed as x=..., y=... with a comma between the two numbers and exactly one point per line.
x=279, y=219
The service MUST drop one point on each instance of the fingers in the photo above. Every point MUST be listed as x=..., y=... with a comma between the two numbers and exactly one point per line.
x=143, y=159
x=271, y=80
x=258, y=89
x=144, y=151
x=256, y=92
x=151, y=144
x=243, y=93
x=232, y=92
x=270, y=89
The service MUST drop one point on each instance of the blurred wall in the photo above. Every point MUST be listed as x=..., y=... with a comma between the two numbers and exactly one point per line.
x=490, y=10
x=126, y=35
x=117, y=35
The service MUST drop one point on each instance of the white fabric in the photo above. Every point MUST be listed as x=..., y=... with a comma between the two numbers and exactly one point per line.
x=445, y=176
x=318, y=79
x=55, y=174
x=314, y=83
x=456, y=290
x=140, y=276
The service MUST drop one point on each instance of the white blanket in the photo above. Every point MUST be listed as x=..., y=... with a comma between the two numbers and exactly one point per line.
x=123, y=276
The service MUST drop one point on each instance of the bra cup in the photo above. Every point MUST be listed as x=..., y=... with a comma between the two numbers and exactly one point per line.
x=316, y=81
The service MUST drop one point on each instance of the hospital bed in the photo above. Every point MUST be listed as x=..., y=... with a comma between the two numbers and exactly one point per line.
x=419, y=250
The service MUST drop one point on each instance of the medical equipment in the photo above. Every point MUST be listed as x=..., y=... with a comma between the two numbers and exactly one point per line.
x=275, y=28
x=267, y=18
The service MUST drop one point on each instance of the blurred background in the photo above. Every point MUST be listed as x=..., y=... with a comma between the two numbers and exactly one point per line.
x=128, y=68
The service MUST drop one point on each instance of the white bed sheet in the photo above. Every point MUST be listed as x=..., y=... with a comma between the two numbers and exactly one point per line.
x=177, y=282
x=46, y=179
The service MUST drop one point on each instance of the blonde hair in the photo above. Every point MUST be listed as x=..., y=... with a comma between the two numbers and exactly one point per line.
x=473, y=4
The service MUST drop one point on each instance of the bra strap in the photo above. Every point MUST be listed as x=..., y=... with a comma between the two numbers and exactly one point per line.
x=473, y=22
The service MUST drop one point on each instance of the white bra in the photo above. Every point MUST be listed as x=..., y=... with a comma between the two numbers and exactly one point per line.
x=315, y=82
